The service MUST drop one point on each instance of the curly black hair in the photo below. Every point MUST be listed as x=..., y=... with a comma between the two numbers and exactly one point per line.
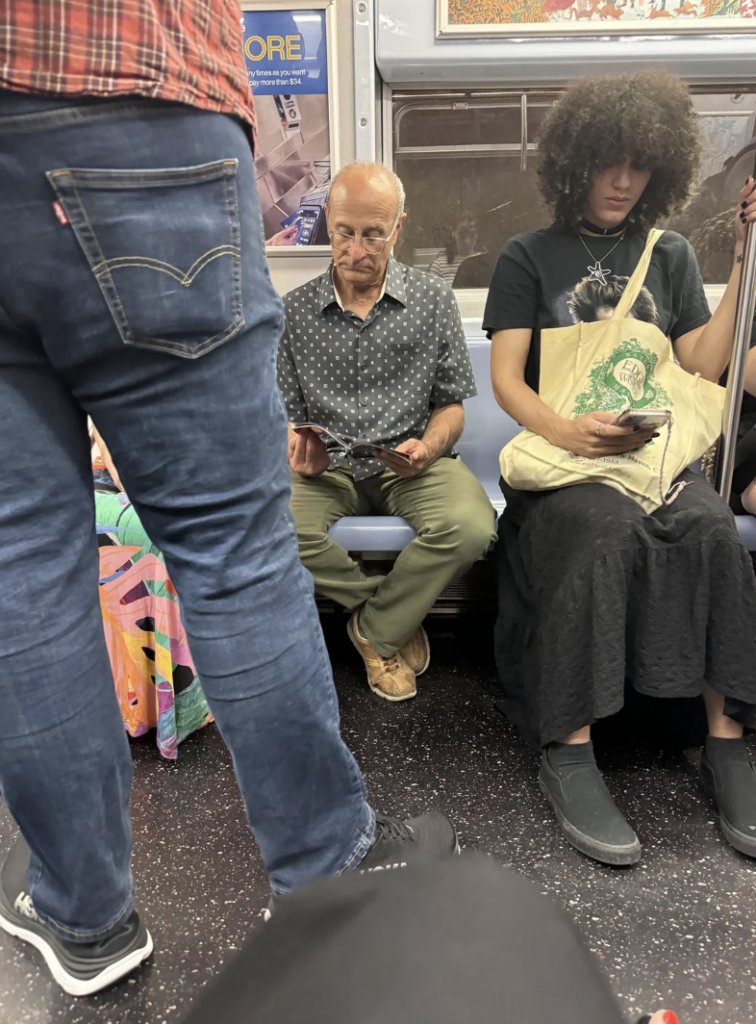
x=648, y=117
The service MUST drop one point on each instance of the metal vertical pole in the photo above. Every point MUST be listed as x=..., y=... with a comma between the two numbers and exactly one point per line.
x=364, y=81
x=736, y=371
x=524, y=132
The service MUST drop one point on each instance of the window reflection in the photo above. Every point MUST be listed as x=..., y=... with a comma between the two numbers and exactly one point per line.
x=470, y=157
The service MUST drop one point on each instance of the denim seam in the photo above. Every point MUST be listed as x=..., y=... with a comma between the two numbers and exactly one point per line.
x=357, y=779
x=116, y=179
x=231, y=196
x=307, y=593
x=185, y=279
x=177, y=348
x=64, y=117
x=112, y=297
x=57, y=928
x=355, y=858
x=362, y=847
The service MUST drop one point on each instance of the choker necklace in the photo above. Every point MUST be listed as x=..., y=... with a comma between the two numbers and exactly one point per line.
x=597, y=272
x=594, y=230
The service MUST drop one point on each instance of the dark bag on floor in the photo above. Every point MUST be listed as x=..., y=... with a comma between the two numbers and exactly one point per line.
x=458, y=942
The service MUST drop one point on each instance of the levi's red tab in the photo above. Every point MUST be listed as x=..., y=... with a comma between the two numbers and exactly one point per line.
x=60, y=213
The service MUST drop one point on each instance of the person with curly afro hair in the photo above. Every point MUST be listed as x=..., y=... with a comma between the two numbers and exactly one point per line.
x=646, y=119
x=594, y=592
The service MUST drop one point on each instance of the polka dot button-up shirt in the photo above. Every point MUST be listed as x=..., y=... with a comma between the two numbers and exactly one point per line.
x=377, y=379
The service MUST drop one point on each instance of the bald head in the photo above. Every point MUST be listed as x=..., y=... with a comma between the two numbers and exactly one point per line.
x=365, y=208
x=368, y=177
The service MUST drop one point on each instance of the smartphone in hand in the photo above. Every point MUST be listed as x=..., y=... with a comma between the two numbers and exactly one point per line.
x=644, y=419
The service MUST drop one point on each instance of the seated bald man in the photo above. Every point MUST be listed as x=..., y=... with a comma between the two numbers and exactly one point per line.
x=374, y=350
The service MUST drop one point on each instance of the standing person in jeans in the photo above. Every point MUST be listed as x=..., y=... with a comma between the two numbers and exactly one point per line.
x=135, y=290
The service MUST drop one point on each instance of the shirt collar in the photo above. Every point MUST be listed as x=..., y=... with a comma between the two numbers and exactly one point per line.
x=393, y=285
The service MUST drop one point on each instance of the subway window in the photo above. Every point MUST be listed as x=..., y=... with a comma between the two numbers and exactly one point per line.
x=467, y=160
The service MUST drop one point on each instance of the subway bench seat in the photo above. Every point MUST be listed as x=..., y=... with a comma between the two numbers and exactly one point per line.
x=487, y=430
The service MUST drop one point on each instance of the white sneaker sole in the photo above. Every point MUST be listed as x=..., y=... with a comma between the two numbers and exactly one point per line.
x=70, y=984
x=394, y=700
x=424, y=667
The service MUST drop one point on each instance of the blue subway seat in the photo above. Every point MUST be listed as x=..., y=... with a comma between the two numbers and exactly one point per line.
x=487, y=429
x=372, y=533
x=747, y=530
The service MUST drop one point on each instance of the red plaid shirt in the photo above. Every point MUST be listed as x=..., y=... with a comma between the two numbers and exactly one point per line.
x=189, y=51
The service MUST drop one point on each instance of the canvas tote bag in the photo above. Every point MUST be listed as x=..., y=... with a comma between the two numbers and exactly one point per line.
x=609, y=366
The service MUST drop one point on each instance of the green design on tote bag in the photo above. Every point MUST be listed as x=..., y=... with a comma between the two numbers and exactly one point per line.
x=624, y=380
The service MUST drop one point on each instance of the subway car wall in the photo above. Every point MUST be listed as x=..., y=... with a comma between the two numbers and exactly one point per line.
x=458, y=119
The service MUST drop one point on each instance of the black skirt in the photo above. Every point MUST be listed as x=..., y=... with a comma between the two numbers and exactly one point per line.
x=593, y=591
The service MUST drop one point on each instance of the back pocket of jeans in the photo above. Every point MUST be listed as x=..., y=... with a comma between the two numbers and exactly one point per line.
x=165, y=248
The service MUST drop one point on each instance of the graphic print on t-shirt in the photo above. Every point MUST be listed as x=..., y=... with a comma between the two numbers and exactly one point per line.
x=540, y=282
x=590, y=300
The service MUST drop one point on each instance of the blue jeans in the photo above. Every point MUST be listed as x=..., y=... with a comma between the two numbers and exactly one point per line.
x=151, y=310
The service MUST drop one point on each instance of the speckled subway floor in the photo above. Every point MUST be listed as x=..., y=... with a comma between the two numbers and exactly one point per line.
x=678, y=931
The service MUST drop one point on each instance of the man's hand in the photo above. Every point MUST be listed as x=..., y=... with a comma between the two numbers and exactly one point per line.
x=595, y=436
x=307, y=454
x=419, y=452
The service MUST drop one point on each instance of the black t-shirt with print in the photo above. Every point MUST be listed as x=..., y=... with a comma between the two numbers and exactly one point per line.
x=541, y=280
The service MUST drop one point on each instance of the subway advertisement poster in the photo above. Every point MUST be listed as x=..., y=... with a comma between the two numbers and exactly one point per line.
x=287, y=62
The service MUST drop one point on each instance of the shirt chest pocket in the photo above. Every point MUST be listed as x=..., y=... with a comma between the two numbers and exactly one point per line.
x=400, y=340
x=409, y=362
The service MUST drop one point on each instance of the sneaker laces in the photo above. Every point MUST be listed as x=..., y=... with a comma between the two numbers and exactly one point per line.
x=393, y=830
x=390, y=664
x=25, y=906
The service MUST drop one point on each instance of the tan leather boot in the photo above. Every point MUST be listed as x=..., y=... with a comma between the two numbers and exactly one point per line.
x=391, y=678
x=416, y=651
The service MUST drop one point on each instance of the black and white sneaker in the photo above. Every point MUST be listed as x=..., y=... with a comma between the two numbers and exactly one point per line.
x=80, y=968
x=398, y=844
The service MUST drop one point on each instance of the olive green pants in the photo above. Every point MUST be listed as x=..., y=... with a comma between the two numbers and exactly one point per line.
x=446, y=506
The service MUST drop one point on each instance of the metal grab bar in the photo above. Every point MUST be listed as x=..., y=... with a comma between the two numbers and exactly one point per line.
x=736, y=371
x=524, y=132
